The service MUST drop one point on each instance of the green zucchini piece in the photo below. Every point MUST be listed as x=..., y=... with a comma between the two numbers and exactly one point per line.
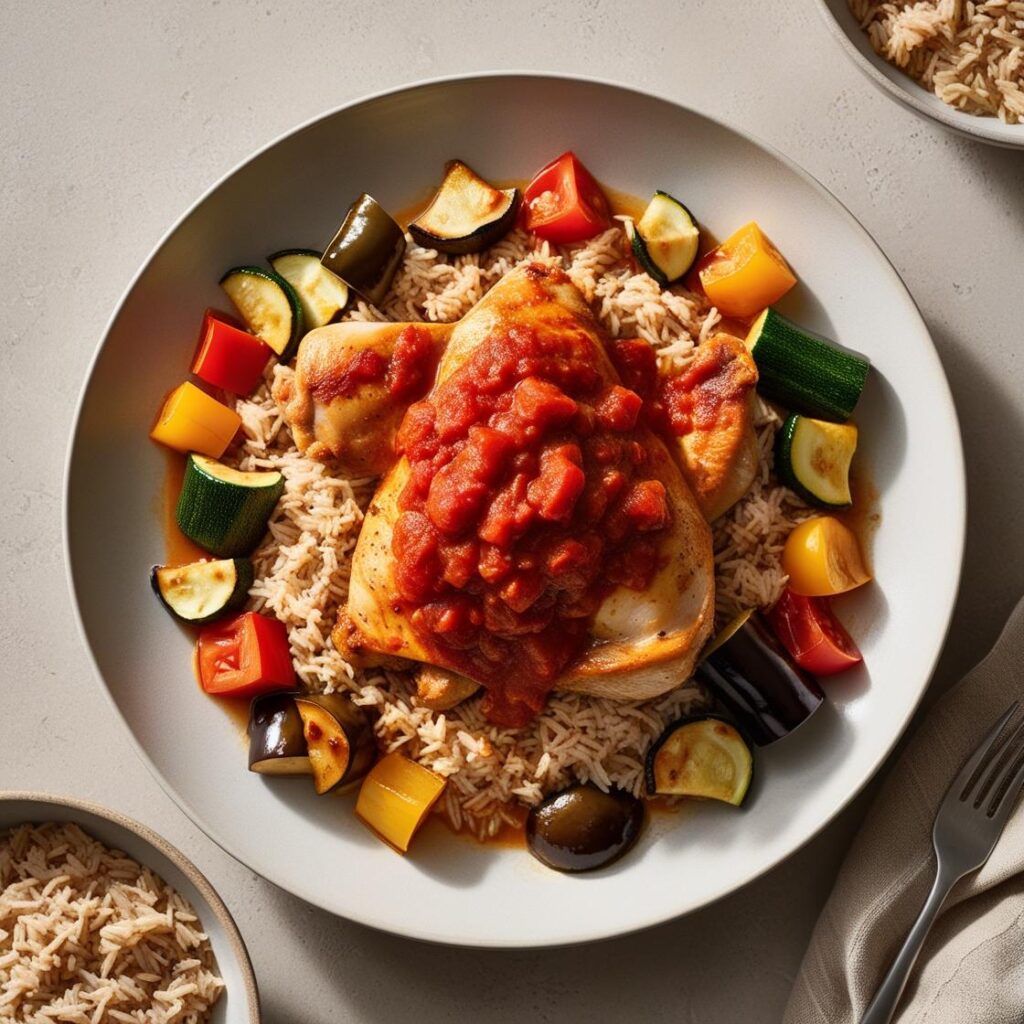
x=466, y=214
x=225, y=510
x=277, y=745
x=367, y=250
x=323, y=295
x=704, y=757
x=269, y=306
x=201, y=592
x=813, y=458
x=666, y=239
x=803, y=371
x=339, y=739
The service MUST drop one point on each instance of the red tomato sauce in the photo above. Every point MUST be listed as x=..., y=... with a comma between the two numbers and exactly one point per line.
x=529, y=499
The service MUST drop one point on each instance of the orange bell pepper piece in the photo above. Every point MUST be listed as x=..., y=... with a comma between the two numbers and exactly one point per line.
x=192, y=421
x=745, y=273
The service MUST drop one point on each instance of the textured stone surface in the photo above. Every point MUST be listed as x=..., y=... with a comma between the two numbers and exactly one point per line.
x=114, y=116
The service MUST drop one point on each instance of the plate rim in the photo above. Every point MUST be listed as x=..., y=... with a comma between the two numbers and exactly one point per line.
x=167, y=849
x=955, y=500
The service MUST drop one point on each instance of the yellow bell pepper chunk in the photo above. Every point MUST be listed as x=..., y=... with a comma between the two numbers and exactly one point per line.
x=745, y=273
x=822, y=557
x=396, y=797
x=192, y=421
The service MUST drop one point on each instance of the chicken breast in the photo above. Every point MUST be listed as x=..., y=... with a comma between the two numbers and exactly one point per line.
x=641, y=643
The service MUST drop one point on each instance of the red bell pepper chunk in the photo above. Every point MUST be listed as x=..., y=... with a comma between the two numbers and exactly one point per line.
x=812, y=634
x=564, y=203
x=228, y=357
x=245, y=656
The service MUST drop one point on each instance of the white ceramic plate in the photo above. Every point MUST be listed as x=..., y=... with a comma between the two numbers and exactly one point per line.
x=905, y=90
x=295, y=192
x=239, y=1003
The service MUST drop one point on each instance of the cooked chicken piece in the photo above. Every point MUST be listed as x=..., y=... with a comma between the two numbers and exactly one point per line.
x=441, y=690
x=339, y=404
x=714, y=399
x=643, y=644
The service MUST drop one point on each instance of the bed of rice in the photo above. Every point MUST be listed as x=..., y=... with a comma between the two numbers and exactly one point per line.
x=302, y=568
x=970, y=54
x=88, y=936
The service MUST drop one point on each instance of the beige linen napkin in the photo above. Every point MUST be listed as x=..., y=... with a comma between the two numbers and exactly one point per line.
x=971, y=969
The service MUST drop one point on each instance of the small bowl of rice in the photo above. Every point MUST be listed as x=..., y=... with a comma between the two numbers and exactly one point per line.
x=103, y=922
x=957, y=62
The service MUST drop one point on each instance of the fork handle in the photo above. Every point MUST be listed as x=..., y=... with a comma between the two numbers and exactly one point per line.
x=883, y=1006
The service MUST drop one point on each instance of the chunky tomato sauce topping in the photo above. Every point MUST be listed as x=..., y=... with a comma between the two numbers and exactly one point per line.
x=529, y=499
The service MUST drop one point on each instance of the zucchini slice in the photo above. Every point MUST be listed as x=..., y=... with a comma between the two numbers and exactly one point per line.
x=268, y=305
x=339, y=739
x=665, y=239
x=805, y=372
x=201, y=592
x=367, y=250
x=225, y=510
x=814, y=459
x=323, y=295
x=466, y=213
x=277, y=745
x=704, y=757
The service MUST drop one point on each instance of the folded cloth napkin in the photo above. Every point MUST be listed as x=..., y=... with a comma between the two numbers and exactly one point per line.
x=971, y=969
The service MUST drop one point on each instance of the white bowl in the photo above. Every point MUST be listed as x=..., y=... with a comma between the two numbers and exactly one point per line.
x=240, y=1003
x=294, y=193
x=901, y=87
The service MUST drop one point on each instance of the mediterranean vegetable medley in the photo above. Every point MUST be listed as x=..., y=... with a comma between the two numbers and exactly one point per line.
x=545, y=486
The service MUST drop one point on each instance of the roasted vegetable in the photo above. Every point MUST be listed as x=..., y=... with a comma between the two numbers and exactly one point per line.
x=466, y=214
x=703, y=757
x=203, y=591
x=665, y=239
x=564, y=203
x=822, y=557
x=582, y=827
x=808, y=629
x=192, y=421
x=269, y=305
x=751, y=674
x=245, y=656
x=225, y=510
x=228, y=357
x=396, y=797
x=366, y=251
x=339, y=739
x=805, y=372
x=745, y=273
x=813, y=458
x=277, y=745
x=322, y=294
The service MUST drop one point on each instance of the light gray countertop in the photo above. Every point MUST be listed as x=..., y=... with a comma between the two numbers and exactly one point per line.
x=115, y=115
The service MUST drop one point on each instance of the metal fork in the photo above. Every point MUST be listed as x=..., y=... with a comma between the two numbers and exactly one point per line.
x=970, y=820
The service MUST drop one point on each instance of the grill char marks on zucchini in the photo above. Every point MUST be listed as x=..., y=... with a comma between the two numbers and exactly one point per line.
x=700, y=757
x=202, y=592
x=466, y=214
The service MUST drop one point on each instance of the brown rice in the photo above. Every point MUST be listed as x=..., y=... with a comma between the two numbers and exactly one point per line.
x=88, y=936
x=971, y=55
x=302, y=568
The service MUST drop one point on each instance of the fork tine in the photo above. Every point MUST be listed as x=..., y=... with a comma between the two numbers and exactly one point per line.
x=996, y=770
x=1008, y=785
x=968, y=777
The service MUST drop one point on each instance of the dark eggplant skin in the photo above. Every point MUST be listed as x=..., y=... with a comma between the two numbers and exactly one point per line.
x=367, y=250
x=756, y=680
x=276, y=743
x=582, y=827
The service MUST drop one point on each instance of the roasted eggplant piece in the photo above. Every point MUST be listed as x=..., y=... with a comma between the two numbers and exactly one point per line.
x=339, y=739
x=703, y=757
x=582, y=827
x=748, y=670
x=366, y=251
x=466, y=214
x=277, y=745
